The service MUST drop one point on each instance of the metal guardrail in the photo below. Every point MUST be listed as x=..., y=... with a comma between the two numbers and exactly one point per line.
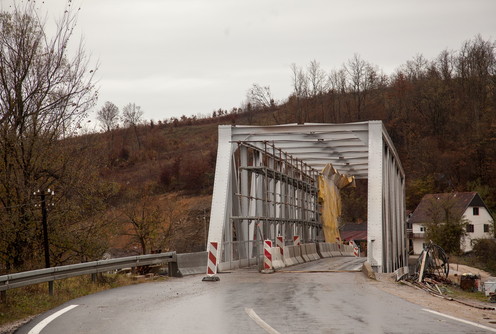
x=17, y=280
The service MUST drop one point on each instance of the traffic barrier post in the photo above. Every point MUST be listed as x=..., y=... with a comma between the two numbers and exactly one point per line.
x=212, y=262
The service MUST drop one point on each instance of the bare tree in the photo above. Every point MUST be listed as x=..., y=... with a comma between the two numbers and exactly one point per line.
x=132, y=115
x=318, y=86
x=45, y=92
x=108, y=116
x=416, y=69
x=317, y=79
x=146, y=222
x=260, y=96
x=300, y=91
x=362, y=76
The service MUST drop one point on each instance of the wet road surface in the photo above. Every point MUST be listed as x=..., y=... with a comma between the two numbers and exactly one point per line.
x=302, y=299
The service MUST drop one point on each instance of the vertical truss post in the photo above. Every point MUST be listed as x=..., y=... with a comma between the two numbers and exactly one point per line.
x=375, y=200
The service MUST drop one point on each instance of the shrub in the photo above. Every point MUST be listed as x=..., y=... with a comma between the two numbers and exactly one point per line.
x=485, y=251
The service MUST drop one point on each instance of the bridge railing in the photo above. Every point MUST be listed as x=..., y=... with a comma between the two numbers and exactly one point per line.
x=21, y=279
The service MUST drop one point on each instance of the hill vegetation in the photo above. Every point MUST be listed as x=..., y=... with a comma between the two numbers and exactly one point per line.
x=440, y=114
x=143, y=186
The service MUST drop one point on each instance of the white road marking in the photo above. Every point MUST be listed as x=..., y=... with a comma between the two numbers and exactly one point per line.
x=42, y=324
x=461, y=320
x=260, y=322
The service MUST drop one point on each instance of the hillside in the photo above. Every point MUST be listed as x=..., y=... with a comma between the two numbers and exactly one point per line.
x=440, y=114
x=147, y=187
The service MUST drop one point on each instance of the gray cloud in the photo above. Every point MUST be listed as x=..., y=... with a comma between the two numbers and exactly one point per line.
x=178, y=57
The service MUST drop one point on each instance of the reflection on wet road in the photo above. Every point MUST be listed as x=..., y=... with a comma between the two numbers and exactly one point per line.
x=245, y=301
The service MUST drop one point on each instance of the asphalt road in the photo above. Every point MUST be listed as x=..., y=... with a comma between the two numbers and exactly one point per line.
x=318, y=297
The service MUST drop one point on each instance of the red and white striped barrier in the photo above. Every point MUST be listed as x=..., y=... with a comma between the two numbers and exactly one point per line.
x=212, y=262
x=280, y=243
x=296, y=240
x=267, y=255
x=356, y=251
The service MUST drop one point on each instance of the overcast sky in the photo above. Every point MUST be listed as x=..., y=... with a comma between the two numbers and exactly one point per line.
x=175, y=57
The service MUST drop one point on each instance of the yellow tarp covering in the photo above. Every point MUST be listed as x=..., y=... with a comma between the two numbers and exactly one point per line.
x=330, y=184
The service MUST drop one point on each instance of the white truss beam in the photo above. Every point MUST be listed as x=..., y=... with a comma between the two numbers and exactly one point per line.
x=265, y=185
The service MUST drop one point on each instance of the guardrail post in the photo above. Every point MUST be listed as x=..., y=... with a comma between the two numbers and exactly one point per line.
x=3, y=296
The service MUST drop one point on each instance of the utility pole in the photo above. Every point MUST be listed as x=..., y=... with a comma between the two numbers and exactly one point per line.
x=44, y=223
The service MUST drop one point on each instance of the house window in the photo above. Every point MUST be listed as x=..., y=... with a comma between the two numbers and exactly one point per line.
x=422, y=229
x=475, y=211
x=486, y=228
x=470, y=228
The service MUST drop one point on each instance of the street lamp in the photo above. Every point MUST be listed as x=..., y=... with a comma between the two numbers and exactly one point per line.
x=44, y=223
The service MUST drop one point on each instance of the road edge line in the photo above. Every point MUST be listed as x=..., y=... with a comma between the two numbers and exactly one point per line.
x=461, y=320
x=251, y=313
x=42, y=324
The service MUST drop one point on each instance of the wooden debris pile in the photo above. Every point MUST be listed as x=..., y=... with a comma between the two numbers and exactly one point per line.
x=431, y=274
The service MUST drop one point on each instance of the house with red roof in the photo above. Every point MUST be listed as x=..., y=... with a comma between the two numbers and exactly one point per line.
x=461, y=205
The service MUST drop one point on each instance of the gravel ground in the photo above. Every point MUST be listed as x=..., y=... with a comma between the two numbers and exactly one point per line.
x=10, y=328
x=388, y=283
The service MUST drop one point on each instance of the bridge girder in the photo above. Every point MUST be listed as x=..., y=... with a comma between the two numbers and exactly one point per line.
x=256, y=197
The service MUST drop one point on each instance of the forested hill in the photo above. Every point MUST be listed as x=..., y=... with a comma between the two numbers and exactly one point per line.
x=146, y=186
x=440, y=114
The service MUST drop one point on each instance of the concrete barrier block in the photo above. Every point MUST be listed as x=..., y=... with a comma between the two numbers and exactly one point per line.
x=326, y=250
x=277, y=261
x=303, y=252
x=312, y=252
x=347, y=250
x=298, y=257
x=191, y=263
x=321, y=249
x=335, y=249
x=288, y=257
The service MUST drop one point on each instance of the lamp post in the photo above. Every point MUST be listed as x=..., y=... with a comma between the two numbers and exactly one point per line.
x=44, y=223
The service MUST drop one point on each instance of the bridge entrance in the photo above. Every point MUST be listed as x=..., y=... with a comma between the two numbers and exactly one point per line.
x=266, y=186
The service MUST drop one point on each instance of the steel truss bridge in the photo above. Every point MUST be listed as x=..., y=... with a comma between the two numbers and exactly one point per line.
x=266, y=186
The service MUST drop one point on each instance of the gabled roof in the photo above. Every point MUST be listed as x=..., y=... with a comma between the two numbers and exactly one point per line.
x=432, y=205
x=353, y=231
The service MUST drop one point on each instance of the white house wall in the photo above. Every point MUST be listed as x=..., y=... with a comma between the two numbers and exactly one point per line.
x=478, y=221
